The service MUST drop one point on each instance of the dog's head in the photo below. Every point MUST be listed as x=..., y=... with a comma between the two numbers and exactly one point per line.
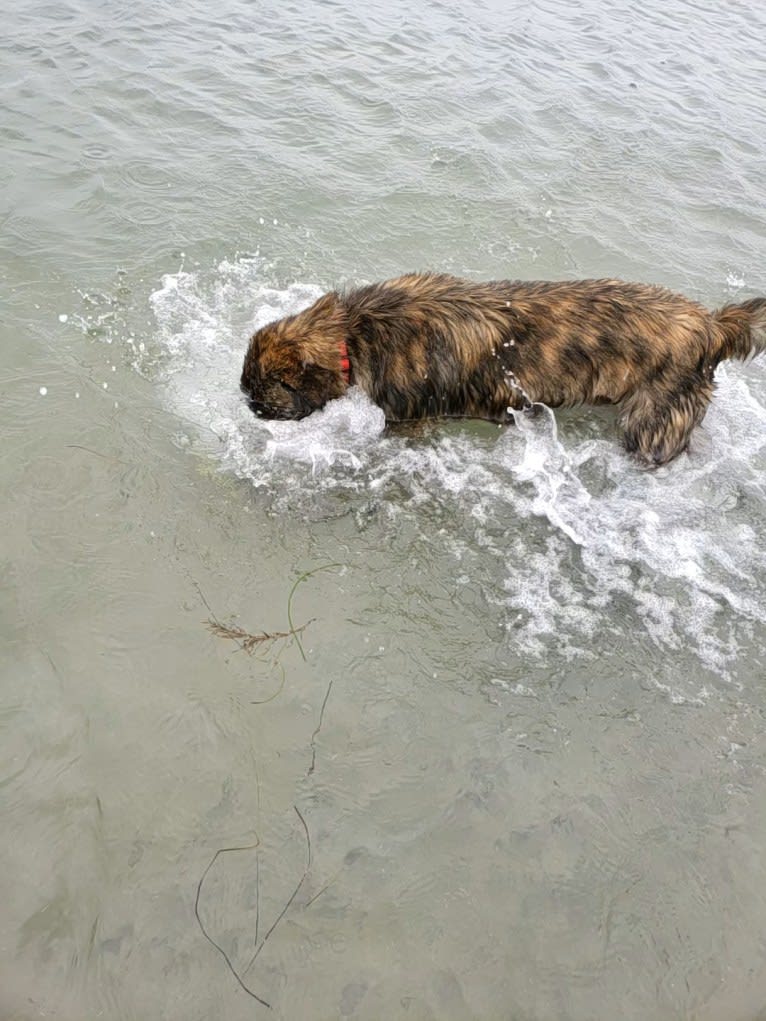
x=293, y=366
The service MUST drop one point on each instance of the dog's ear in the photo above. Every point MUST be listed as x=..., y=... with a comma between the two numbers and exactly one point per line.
x=325, y=306
x=323, y=327
x=325, y=318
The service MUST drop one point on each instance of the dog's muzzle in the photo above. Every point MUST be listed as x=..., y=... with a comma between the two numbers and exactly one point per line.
x=299, y=407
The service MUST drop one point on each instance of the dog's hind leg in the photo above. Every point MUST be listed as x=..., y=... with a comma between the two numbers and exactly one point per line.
x=657, y=421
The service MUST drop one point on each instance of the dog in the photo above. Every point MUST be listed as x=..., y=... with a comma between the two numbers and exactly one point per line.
x=429, y=345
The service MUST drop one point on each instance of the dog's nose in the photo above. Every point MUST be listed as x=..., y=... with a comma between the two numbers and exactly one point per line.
x=255, y=407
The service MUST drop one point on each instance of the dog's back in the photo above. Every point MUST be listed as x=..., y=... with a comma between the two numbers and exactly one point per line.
x=429, y=344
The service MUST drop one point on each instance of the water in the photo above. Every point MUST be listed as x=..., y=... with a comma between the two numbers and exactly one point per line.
x=527, y=735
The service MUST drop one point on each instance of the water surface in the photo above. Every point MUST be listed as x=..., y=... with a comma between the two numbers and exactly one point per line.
x=520, y=772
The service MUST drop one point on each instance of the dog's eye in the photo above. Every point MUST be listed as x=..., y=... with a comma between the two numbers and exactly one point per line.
x=286, y=386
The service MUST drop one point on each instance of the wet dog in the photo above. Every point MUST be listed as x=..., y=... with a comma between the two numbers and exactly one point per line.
x=427, y=345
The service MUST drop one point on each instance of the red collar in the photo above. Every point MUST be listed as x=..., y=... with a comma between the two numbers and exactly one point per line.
x=345, y=363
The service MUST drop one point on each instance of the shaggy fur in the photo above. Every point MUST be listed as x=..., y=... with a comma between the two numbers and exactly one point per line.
x=429, y=345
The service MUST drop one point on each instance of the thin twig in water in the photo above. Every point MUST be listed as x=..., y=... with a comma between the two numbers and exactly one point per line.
x=318, y=728
x=97, y=453
x=202, y=597
x=247, y=641
x=325, y=887
x=302, y=578
x=205, y=933
x=294, y=894
x=263, y=701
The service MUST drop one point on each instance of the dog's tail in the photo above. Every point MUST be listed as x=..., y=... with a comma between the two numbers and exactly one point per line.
x=741, y=329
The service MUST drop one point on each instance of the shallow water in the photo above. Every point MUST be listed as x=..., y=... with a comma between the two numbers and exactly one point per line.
x=526, y=739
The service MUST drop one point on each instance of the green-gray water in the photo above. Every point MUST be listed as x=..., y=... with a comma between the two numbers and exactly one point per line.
x=527, y=739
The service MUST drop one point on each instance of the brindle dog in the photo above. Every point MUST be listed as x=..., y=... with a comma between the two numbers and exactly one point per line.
x=427, y=345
